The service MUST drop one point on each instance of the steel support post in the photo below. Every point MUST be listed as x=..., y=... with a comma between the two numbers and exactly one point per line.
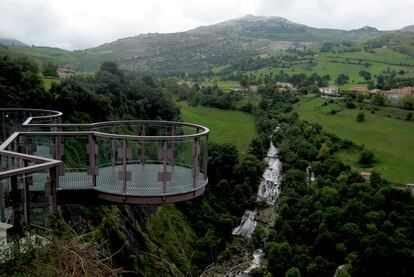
x=124, y=166
x=92, y=151
x=205, y=157
x=26, y=203
x=164, y=167
x=196, y=154
x=143, y=133
x=15, y=201
x=113, y=156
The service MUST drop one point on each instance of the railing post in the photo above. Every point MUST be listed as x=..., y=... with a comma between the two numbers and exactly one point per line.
x=2, y=202
x=205, y=158
x=164, y=167
x=3, y=121
x=173, y=131
x=196, y=154
x=15, y=199
x=27, y=179
x=113, y=146
x=92, y=151
x=52, y=193
x=124, y=166
x=142, y=146
x=57, y=150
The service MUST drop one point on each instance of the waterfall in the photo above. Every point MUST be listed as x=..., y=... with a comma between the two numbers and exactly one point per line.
x=247, y=225
x=268, y=192
x=269, y=188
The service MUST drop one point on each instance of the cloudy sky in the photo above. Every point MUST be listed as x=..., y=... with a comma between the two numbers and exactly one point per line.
x=79, y=24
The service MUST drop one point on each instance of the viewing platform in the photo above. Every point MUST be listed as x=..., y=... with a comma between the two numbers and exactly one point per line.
x=114, y=162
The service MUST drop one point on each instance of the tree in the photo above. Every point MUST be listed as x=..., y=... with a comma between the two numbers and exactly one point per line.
x=360, y=117
x=293, y=272
x=407, y=102
x=50, y=69
x=342, y=79
x=366, y=158
x=365, y=74
x=378, y=100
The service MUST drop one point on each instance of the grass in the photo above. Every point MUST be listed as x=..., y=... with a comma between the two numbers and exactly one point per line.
x=380, y=60
x=390, y=139
x=225, y=126
x=224, y=85
x=47, y=82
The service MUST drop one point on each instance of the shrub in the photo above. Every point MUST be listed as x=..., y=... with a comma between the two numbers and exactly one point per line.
x=366, y=158
x=360, y=117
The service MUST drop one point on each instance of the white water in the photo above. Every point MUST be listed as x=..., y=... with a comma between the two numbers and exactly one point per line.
x=269, y=188
x=268, y=191
x=247, y=225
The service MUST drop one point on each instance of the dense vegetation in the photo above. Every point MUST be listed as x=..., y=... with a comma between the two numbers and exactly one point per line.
x=338, y=219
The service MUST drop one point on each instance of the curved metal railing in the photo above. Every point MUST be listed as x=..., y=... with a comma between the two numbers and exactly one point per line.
x=127, y=158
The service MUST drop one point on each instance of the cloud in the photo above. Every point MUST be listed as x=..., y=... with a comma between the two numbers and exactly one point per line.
x=78, y=24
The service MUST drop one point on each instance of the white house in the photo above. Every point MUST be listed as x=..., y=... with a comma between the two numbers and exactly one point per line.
x=332, y=90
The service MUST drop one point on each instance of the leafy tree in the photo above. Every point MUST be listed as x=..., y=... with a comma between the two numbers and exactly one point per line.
x=378, y=100
x=366, y=158
x=342, y=79
x=360, y=117
x=50, y=69
x=365, y=74
x=293, y=272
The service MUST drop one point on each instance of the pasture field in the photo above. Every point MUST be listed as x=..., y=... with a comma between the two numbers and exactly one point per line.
x=47, y=82
x=390, y=139
x=224, y=85
x=225, y=126
x=379, y=61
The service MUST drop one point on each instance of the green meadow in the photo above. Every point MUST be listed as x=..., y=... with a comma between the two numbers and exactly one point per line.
x=389, y=138
x=47, y=82
x=225, y=126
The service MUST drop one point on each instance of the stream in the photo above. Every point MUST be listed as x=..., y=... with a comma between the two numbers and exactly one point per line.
x=268, y=192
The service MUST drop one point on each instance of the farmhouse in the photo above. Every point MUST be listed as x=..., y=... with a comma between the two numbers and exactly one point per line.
x=398, y=93
x=284, y=85
x=366, y=176
x=364, y=91
x=65, y=73
x=239, y=88
x=332, y=90
x=253, y=88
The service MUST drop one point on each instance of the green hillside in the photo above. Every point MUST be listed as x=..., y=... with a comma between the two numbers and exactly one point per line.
x=371, y=55
x=80, y=60
x=225, y=126
x=390, y=139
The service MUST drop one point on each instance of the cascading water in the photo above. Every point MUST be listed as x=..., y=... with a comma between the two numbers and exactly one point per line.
x=268, y=192
x=269, y=188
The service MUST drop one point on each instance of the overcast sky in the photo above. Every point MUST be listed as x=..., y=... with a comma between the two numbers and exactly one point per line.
x=79, y=24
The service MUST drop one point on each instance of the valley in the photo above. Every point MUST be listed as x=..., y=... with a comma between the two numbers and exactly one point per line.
x=311, y=132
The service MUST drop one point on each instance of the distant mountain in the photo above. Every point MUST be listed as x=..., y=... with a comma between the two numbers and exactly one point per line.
x=197, y=49
x=207, y=46
x=409, y=28
x=9, y=42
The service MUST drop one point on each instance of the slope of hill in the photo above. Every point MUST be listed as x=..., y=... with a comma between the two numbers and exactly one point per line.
x=197, y=49
x=207, y=46
x=409, y=28
x=15, y=42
